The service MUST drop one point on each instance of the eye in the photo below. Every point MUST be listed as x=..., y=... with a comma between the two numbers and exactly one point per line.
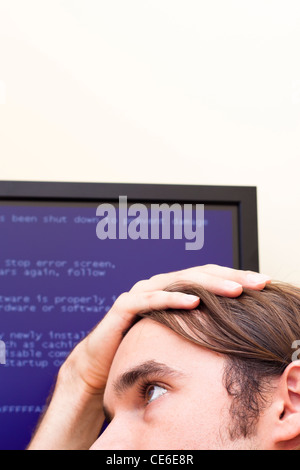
x=153, y=392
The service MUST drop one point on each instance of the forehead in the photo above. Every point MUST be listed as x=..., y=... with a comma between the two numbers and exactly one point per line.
x=150, y=341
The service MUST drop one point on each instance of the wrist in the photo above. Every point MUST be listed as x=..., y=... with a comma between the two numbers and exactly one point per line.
x=75, y=390
x=74, y=416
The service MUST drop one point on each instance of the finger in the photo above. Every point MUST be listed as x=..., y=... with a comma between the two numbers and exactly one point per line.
x=217, y=279
x=246, y=278
x=110, y=330
x=214, y=284
x=130, y=304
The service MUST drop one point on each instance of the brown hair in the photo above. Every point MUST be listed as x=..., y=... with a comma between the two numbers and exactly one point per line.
x=255, y=332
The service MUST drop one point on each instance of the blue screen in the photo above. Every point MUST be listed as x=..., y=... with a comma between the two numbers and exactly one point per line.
x=58, y=279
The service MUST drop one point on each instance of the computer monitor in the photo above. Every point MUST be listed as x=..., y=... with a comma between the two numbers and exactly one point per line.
x=62, y=266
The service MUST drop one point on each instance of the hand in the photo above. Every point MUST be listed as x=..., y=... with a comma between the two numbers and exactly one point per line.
x=93, y=356
x=75, y=415
x=219, y=280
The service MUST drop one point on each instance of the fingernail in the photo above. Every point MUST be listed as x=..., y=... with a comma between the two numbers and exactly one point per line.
x=257, y=278
x=232, y=284
x=190, y=299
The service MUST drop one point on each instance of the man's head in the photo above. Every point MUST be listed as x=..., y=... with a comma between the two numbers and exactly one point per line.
x=220, y=376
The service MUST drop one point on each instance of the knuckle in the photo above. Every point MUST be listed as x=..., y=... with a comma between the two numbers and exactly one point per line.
x=140, y=285
x=155, y=277
x=247, y=272
x=181, y=277
x=150, y=300
x=209, y=266
x=121, y=299
x=148, y=296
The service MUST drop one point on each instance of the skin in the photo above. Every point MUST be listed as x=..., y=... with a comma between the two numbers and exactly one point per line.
x=184, y=406
x=75, y=413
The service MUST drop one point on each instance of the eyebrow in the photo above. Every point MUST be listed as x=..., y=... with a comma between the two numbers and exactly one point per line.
x=129, y=378
x=140, y=372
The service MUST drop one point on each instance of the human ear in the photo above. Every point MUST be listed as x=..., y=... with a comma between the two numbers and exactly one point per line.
x=286, y=430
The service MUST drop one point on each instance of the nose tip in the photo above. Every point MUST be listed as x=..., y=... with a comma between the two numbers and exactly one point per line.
x=105, y=444
x=114, y=438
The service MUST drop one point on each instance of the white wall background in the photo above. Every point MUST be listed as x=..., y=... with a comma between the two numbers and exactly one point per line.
x=159, y=91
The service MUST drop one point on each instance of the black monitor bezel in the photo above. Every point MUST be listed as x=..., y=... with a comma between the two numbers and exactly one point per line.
x=243, y=197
